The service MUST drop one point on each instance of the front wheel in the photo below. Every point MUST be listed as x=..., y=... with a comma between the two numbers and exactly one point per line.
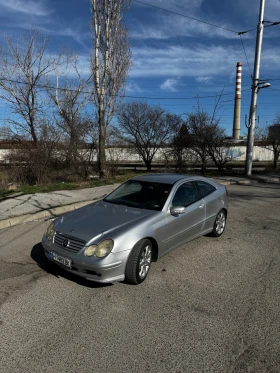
x=220, y=224
x=139, y=262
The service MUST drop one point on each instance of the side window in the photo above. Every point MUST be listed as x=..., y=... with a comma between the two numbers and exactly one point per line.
x=205, y=188
x=185, y=195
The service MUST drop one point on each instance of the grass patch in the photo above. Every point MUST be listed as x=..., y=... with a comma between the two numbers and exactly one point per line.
x=58, y=186
x=4, y=193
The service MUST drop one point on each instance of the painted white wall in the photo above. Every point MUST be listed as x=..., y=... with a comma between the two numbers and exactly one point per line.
x=130, y=155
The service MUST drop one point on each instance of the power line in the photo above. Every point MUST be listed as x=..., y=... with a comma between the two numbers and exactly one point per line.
x=246, y=57
x=183, y=15
x=245, y=32
x=207, y=23
x=210, y=24
x=124, y=96
x=271, y=23
x=271, y=80
x=253, y=29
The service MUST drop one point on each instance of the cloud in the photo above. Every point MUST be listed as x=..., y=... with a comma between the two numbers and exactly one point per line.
x=171, y=26
x=132, y=87
x=182, y=61
x=171, y=85
x=69, y=32
x=272, y=8
x=198, y=61
x=204, y=79
x=174, y=5
x=29, y=7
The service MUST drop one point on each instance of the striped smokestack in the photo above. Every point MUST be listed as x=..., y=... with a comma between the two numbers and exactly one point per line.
x=237, y=104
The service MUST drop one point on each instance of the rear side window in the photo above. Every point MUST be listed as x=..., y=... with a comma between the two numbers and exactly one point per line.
x=205, y=188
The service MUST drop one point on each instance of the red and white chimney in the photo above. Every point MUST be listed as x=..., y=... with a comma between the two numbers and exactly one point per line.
x=237, y=104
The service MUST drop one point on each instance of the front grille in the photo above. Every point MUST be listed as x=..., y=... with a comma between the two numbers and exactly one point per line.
x=71, y=244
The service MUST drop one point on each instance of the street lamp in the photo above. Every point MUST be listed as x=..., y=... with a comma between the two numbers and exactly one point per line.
x=263, y=85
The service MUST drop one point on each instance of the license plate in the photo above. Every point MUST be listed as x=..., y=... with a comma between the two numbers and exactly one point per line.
x=60, y=259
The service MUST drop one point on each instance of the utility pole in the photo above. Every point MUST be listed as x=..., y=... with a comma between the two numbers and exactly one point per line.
x=254, y=97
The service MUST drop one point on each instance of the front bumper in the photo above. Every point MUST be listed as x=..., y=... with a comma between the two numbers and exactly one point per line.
x=107, y=270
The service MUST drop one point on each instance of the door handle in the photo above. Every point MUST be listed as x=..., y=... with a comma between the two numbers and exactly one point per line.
x=201, y=206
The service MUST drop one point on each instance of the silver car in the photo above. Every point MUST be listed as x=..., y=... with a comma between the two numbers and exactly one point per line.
x=117, y=238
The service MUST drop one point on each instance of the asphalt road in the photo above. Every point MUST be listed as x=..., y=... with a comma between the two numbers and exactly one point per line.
x=211, y=306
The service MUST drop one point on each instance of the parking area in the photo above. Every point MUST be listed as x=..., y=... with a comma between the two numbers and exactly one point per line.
x=210, y=306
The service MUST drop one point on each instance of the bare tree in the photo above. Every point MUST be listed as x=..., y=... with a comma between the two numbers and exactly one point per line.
x=217, y=149
x=38, y=159
x=71, y=98
x=208, y=137
x=270, y=136
x=24, y=65
x=110, y=64
x=198, y=125
x=5, y=133
x=147, y=128
x=180, y=145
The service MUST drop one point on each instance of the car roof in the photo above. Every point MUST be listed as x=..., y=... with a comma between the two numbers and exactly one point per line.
x=163, y=178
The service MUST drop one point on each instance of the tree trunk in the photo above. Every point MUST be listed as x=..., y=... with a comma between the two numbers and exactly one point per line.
x=148, y=164
x=101, y=146
x=275, y=158
x=203, y=165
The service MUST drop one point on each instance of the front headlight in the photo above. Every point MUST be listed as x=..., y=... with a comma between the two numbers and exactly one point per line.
x=100, y=250
x=50, y=231
x=89, y=251
x=104, y=248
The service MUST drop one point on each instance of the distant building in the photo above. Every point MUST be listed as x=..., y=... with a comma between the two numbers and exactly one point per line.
x=5, y=133
x=274, y=132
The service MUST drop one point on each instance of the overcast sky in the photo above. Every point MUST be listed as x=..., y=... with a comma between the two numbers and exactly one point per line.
x=175, y=58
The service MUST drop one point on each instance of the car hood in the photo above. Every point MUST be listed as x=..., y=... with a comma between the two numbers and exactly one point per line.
x=99, y=219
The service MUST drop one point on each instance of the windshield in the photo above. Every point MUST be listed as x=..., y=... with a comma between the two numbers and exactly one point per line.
x=140, y=194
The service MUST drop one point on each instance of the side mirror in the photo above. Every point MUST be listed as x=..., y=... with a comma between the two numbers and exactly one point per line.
x=177, y=210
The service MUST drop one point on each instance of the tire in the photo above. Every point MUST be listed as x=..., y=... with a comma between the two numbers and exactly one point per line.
x=219, y=224
x=139, y=262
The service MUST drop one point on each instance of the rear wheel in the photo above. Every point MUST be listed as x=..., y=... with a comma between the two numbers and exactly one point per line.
x=220, y=224
x=139, y=262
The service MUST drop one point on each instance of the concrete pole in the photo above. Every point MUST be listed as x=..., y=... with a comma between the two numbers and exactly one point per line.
x=254, y=97
x=237, y=104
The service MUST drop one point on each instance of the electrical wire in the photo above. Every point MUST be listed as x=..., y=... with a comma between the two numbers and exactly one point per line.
x=274, y=89
x=182, y=15
x=210, y=24
x=246, y=57
x=271, y=24
x=123, y=96
x=245, y=32
x=271, y=80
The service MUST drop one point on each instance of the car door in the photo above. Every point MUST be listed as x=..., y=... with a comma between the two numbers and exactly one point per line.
x=209, y=194
x=186, y=226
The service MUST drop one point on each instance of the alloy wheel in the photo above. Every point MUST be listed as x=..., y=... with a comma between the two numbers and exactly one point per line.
x=145, y=261
x=220, y=222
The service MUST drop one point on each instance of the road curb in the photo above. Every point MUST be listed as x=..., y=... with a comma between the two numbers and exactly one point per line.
x=43, y=215
x=59, y=210
x=225, y=183
x=243, y=182
x=52, y=212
